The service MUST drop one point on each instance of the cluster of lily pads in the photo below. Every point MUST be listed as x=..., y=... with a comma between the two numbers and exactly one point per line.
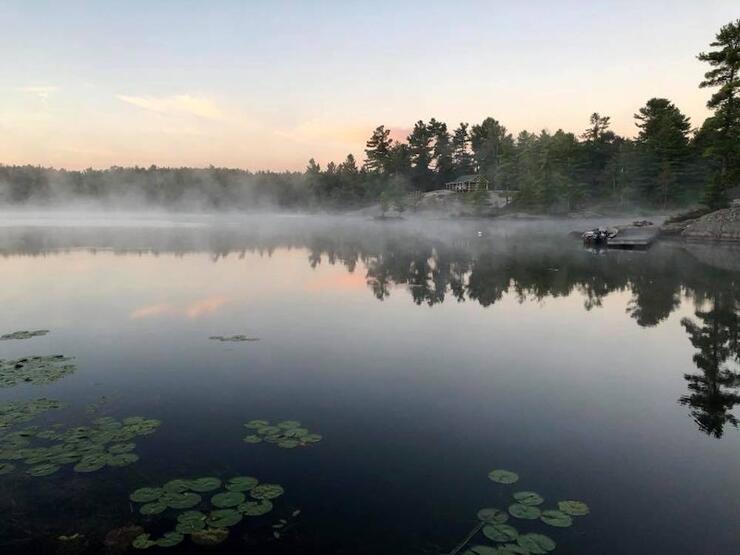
x=23, y=334
x=35, y=370
x=89, y=448
x=15, y=412
x=230, y=502
x=233, y=338
x=496, y=526
x=287, y=434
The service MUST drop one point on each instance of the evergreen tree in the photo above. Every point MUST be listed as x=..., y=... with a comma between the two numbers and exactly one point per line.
x=462, y=157
x=420, y=150
x=377, y=150
x=441, y=152
x=491, y=143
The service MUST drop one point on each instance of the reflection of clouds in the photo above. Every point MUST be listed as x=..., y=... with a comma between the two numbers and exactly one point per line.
x=192, y=310
x=334, y=282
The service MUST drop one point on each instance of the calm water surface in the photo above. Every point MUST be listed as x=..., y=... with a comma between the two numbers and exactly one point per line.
x=425, y=354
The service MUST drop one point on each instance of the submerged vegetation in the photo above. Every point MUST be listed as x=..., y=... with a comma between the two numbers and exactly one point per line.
x=227, y=507
x=287, y=434
x=23, y=334
x=36, y=370
x=496, y=525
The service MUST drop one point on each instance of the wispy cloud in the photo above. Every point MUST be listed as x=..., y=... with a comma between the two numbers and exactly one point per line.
x=177, y=104
x=192, y=310
x=41, y=91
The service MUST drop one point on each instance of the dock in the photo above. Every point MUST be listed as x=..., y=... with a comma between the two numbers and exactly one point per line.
x=639, y=238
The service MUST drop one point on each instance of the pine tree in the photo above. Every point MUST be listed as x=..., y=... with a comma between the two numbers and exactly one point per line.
x=378, y=150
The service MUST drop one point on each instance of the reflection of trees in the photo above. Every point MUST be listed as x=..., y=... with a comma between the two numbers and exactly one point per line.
x=713, y=393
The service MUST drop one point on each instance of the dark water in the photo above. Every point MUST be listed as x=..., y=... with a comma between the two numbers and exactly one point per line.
x=425, y=354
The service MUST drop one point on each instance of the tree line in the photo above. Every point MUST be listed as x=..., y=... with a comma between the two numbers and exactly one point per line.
x=668, y=163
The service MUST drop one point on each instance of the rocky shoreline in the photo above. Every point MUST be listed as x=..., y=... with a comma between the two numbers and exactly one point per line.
x=721, y=225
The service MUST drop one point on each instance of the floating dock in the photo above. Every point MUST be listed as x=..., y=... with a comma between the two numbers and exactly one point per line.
x=634, y=238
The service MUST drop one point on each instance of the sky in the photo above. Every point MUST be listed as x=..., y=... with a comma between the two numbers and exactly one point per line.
x=266, y=85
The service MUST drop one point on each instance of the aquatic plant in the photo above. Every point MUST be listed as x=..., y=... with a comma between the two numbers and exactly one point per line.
x=227, y=499
x=500, y=532
x=503, y=476
x=23, y=334
x=224, y=518
x=556, y=518
x=574, y=508
x=36, y=370
x=517, y=510
x=287, y=434
x=15, y=412
x=210, y=536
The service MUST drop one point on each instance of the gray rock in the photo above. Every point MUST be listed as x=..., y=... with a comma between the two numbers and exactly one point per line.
x=722, y=225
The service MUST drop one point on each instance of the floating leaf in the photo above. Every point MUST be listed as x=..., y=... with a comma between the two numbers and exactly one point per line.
x=177, y=486
x=492, y=516
x=528, y=498
x=143, y=541
x=24, y=334
x=241, y=483
x=254, y=424
x=42, y=470
x=190, y=526
x=227, y=499
x=500, y=532
x=267, y=491
x=203, y=485
x=312, y=438
x=185, y=500
x=146, y=495
x=153, y=508
x=124, y=459
x=210, y=536
x=288, y=444
x=120, y=448
x=255, y=508
x=91, y=462
x=556, y=518
x=188, y=516
x=537, y=544
x=288, y=424
x=503, y=476
x=526, y=512
x=170, y=539
x=223, y=518
x=574, y=508
x=252, y=439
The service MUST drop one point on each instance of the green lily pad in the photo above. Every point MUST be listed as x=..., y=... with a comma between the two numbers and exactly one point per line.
x=574, y=508
x=255, y=508
x=269, y=430
x=556, y=518
x=6, y=468
x=537, y=544
x=124, y=459
x=153, y=508
x=188, y=516
x=203, y=485
x=528, y=498
x=481, y=550
x=42, y=470
x=170, y=539
x=210, y=536
x=252, y=439
x=227, y=499
x=254, y=424
x=288, y=424
x=311, y=438
x=500, y=532
x=176, y=486
x=512, y=549
x=146, y=495
x=242, y=483
x=492, y=516
x=517, y=510
x=223, y=518
x=267, y=491
x=143, y=541
x=190, y=526
x=503, y=476
x=120, y=448
x=288, y=443
x=185, y=500
x=91, y=462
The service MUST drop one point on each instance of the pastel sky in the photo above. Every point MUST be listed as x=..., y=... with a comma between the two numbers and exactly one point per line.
x=269, y=84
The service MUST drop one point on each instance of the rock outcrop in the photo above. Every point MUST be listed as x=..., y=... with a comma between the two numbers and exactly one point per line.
x=722, y=225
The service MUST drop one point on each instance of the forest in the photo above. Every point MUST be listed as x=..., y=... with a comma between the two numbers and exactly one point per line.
x=668, y=163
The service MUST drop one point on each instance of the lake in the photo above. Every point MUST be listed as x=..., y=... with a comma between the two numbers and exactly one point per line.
x=424, y=355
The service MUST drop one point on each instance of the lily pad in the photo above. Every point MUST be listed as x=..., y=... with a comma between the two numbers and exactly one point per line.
x=185, y=500
x=242, y=483
x=574, y=508
x=311, y=438
x=210, y=536
x=267, y=491
x=203, y=485
x=503, y=476
x=517, y=510
x=500, y=532
x=254, y=424
x=252, y=439
x=42, y=470
x=189, y=516
x=146, y=495
x=537, y=544
x=153, y=508
x=143, y=541
x=170, y=539
x=6, y=468
x=124, y=459
x=120, y=448
x=492, y=516
x=190, y=526
x=556, y=518
x=255, y=508
x=91, y=462
x=227, y=499
x=176, y=486
x=288, y=424
x=288, y=443
x=528, y=498
x=23, y=334
x=223, y=518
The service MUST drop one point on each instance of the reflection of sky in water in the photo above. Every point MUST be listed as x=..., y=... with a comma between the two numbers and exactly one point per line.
x=416, y=403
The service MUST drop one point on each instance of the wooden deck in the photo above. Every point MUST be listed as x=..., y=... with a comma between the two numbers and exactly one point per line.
x=634, y=238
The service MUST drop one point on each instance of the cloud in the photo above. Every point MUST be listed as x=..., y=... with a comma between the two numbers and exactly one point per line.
x=41, y=91
x=192, y=310
x=177, y=104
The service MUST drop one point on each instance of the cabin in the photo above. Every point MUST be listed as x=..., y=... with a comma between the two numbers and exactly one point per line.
x=468, y=184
